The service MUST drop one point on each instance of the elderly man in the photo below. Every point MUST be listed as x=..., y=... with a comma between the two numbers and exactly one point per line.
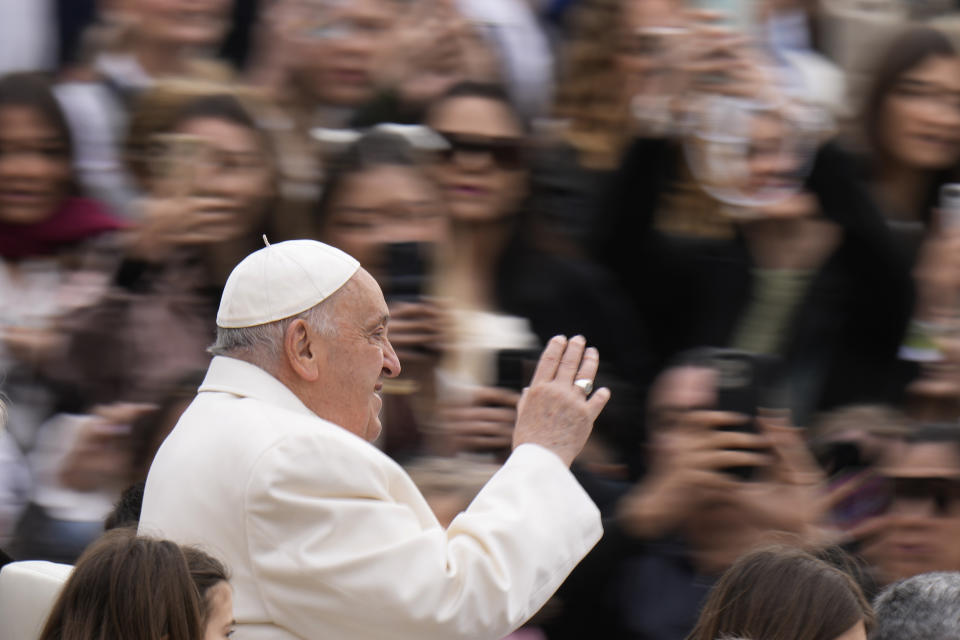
x=271, y=468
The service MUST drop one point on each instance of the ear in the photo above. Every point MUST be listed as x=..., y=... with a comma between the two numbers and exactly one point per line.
x=303, y=350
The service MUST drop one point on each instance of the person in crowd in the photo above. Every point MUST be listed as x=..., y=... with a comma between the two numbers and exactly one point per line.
x=482, y=178
x=924, y=606
x=911, y=121
x=209, y=575
x=57, y=250
x=794, y=262
x=127, y=586
x=212, y=581
x=784, y=593
x=135, y=44
x=301, y=352
x=379, y=206
x=504, y=284
x=917, y=531
x=210, y=192
x=718, y=484
x=209, y=177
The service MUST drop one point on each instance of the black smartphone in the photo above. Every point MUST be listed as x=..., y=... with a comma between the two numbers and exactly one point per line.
x=744, y=385
x=407, y=269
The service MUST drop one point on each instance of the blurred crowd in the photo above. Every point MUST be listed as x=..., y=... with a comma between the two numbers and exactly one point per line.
x=748, y=206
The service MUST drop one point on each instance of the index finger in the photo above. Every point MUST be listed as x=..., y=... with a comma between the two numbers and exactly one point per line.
x=549, y=360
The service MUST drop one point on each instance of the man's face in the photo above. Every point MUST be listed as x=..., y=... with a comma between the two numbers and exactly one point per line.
x=357, y=355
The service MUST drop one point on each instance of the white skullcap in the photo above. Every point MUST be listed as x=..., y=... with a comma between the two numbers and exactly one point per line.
x=282, y=280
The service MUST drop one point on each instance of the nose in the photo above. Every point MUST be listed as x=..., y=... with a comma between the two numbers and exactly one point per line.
x=391, y=363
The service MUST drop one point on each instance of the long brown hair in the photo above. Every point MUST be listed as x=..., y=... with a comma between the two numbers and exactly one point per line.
x=130, y=587
x=590, y=97
x=782, y=593
x=206, y=573
x=907, y=51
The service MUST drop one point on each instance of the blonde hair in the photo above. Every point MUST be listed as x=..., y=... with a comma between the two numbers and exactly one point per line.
x=590, y=97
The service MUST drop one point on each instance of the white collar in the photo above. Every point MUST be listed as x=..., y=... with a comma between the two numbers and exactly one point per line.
x=230, y=375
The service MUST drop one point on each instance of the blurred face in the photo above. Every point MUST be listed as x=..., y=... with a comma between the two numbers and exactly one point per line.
x=34, y=166
x=219, y=603
x=647, y=37
x=191, y=23
x=345, y=40
x=771, y=163
x=483, y=174
x=921, y=116
x=356, y=357
x=383, y=205
x=924, y=517
x=233, y=173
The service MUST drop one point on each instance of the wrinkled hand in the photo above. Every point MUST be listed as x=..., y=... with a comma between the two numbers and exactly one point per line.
x=688, y=464
x=483, y=422
x=554, y=413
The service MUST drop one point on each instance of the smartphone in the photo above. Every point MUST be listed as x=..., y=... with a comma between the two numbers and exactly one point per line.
x=407, y=269
x=744, y=386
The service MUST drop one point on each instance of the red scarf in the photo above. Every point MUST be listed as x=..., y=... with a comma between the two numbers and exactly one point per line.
x=77, y=220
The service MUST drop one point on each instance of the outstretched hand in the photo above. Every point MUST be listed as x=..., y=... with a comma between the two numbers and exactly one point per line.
x=554, y=412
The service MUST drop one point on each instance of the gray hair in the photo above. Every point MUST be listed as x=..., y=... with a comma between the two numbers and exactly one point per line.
x=263, y=344
x=924, y=607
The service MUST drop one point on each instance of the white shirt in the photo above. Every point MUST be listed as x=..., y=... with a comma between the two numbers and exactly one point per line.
x=327, y=537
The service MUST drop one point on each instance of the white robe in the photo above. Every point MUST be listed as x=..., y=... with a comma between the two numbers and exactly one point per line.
x=328, y=538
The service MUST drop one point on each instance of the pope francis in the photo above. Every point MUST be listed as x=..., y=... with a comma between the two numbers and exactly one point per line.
x=271, y=469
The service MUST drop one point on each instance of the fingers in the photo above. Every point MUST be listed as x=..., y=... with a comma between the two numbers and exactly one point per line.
x=571, y=359
x=597, y=402
x=589, y=365
x=549, y=360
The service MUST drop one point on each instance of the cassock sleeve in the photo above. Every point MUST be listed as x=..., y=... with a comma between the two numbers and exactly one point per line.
x=343, y=546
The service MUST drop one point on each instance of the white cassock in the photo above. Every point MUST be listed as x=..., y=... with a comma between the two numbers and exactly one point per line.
x=328, y=538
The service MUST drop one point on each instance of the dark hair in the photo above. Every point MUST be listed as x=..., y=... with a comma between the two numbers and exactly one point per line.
x=373, y=149
x=782, y=593
x=33, y=91
x=206, y=573
x=126, y=512
x=908, y=50
x=130, y=587
x=485, y=90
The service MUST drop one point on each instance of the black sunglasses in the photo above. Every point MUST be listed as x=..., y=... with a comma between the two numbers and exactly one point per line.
x=508, y=154
x=944, y=492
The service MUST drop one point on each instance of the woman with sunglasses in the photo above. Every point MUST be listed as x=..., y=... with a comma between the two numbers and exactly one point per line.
x=919, y=528
x=482, y=175
x=507, y=289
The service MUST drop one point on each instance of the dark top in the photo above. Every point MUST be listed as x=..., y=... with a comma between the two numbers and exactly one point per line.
x=692, y=291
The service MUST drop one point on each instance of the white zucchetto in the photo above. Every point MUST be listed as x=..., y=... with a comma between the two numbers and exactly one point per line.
x=282, y=280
